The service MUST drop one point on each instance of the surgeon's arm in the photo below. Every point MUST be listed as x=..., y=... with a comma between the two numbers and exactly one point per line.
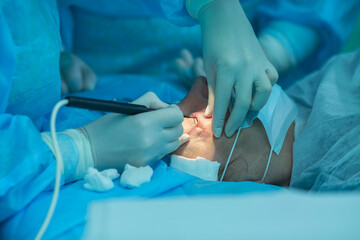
x=318, y=28
x=27, y=163
x=287, y=44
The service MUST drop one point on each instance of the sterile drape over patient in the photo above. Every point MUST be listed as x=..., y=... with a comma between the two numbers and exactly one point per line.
x=327, y=142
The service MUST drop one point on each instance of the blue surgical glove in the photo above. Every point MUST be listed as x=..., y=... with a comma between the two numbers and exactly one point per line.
x=140, y=139
x=76, y=76
x=287, y=44
x=233, y=59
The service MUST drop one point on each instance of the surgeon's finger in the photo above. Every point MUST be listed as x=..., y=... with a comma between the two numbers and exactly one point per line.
x=262, y=92
x=241, y=107
x=211, y=93
x=187, y=57
x=199, y=67
x=150, y=100
x=272, y=74
x=89, y=78
x=73, y=78
x=181, y=65
x=165, y=117
x=223, y=91
x=64, y=86
x=172, y=146
x=173, y=133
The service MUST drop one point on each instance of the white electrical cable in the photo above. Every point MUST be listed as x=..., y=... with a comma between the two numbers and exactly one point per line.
x=231, y=152
x=59, y=168
x=267, y=166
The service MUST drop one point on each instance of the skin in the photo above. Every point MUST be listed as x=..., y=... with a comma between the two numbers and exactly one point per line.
x=252, y=149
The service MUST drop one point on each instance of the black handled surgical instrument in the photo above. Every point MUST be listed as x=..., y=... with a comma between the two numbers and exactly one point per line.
x=108, y=106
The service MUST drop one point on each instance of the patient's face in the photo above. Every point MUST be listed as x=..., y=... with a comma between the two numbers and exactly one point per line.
x=252, y=149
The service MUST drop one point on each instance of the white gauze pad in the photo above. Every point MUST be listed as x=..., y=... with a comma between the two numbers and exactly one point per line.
x=199, y=167
x=133, y=177
x=100, y=181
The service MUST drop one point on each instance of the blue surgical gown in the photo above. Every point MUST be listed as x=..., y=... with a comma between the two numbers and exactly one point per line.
x=29, y=87
x=30, y=46
x=125, y=36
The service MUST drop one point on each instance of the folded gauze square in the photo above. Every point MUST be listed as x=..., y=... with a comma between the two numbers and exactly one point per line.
x=134, y=177
x=199, y=167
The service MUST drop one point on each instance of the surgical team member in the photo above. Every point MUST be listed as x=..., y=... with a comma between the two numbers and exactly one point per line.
x=30, y=87
x=30, y=46
x=232, y=54
x=293, y=34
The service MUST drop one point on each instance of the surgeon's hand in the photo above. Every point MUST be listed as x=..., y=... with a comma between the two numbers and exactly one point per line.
x=189, y=68
x=233, y=59
x=140, y=139
x=76, y=76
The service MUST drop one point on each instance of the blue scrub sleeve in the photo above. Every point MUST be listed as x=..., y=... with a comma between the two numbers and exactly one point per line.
x=333, y=20
x=27, y=163
x=172, y=10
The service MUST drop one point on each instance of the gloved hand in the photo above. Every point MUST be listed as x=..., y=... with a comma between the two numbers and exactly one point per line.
x=140, y=139
x=75, y=74
x=233, y=59
x=189, y=68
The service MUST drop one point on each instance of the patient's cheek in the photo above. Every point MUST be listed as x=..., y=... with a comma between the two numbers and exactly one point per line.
x=199, y=127
x=201, y=143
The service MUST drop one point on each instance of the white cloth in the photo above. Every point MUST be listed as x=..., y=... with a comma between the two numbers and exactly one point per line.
x=133, y=177
x=199, y=167
x=280, y=215
x=100, y=181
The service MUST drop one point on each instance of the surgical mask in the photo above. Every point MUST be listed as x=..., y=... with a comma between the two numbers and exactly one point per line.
x=276, y=116
x=199, y=167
